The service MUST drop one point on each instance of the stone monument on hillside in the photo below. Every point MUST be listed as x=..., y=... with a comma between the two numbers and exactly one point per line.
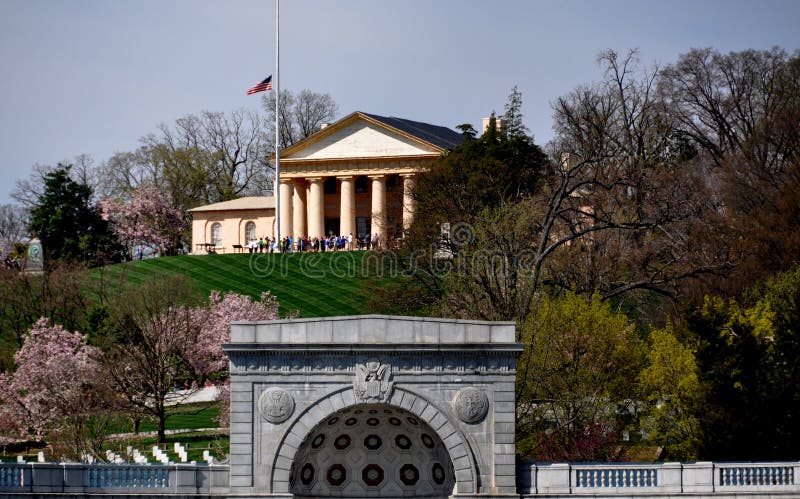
x=34, y=261
x=372, y=406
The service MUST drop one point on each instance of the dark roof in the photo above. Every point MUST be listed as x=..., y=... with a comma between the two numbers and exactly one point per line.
x=437, y=135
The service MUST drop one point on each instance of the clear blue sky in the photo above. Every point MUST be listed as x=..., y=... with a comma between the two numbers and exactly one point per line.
x=93, y=76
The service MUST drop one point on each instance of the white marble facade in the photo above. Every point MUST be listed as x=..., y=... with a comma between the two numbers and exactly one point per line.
x=372, y=406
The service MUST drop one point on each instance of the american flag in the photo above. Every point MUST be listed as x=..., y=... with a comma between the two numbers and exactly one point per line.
x=261, y=87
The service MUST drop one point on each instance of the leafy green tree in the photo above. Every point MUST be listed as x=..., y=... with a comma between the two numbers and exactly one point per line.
x=671, y=386
x=576, y=379
x=747, y=358
x=69, y=225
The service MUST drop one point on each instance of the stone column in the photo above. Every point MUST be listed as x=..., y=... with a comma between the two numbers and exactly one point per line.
x=409, y=203
x=287, y=193
x=299, y=208
x=316, y=208
x=379, y=208
x=347, y=211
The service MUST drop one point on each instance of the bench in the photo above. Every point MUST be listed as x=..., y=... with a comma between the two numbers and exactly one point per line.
x=237, y=248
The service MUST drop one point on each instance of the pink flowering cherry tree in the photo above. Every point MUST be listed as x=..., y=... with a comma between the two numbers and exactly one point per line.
x=145, y=218
x=55, y=380
x=205, y=355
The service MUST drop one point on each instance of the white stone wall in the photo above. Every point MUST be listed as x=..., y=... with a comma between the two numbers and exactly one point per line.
x=316, y=362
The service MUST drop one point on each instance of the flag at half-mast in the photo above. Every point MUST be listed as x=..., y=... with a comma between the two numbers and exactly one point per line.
x=261, y=87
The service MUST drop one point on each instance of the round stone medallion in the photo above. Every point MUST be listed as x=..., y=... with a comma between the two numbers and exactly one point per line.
x=470, y=405
x=276, y=405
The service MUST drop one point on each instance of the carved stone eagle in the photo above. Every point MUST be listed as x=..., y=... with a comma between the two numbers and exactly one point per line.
x=373, y=382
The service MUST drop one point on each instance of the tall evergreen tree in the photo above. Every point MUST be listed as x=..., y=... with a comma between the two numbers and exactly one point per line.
x=512, y=119
x=69, y=225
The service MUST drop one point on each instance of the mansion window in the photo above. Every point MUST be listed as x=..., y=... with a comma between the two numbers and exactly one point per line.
x=216, y=234
x=249, y=231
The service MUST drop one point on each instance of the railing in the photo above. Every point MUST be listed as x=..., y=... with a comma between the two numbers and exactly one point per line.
x=114, y=475
x=664, y=479
x=599, y=477
x=756, y=475
x=554, y=480
x=118, y=479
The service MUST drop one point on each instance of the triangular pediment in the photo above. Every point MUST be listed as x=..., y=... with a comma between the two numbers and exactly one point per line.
x=357, y=136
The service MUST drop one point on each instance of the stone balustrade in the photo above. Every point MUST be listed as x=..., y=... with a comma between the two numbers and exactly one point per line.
x=701, y=479
x=658, y=479
x=81, y=479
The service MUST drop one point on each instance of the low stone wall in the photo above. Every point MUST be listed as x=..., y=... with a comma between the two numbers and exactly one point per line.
x=662, y=480
x=702, y=479
x=81, y=479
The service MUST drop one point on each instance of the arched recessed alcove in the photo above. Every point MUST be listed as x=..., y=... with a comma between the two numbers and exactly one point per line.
x=372, y=450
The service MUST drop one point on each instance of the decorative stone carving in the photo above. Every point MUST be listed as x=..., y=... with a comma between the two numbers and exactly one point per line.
x=35, y=261
x=373, y=382
x=276, y=405
x=470, y=405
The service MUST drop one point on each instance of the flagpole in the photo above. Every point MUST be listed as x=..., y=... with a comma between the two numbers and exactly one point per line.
x=277, y=87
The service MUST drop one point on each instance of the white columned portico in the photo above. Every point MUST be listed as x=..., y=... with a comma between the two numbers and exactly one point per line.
x=299, y=208
x=409, y=202
x=379, y=208
x=287, y=193
x=347, y=212
x=316, y=208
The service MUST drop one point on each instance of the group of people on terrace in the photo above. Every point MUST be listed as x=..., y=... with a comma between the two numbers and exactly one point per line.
x=303, y=244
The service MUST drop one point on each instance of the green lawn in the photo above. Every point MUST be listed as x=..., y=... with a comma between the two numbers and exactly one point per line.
x=308, y=284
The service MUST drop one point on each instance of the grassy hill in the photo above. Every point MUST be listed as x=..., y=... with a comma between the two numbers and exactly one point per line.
x=310, y=284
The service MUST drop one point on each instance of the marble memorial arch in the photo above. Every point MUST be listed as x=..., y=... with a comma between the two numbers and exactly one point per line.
x=372, y=406
x=378, y=406
x=354, y=176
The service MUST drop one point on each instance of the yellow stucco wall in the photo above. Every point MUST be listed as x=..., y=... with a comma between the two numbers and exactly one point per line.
x=232, y=225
